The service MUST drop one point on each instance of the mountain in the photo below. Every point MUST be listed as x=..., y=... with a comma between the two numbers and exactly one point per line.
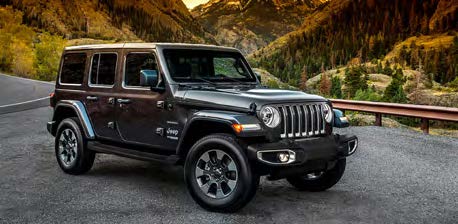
x=357, y=31
x=158, y=20
x=251, y=24
x=33, y=33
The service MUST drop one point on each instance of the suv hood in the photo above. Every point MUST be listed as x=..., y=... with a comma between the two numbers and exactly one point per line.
x=242, y=99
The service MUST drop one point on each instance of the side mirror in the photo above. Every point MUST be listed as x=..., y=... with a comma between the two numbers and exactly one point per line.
x=148, y=78
x=340, y=121
x=258, y=76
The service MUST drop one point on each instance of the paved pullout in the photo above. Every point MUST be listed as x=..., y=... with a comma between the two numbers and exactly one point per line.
x=397, y=176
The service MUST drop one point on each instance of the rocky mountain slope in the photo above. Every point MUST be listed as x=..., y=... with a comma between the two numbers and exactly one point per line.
x=357, y=31
x=251, y=24
x=158, y=20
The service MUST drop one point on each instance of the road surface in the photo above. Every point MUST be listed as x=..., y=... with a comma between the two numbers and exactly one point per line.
x=396, y=176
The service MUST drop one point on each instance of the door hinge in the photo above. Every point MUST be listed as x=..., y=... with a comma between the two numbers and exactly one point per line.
x=160, y=131
x=111, y=100
x=111, y=125
x=160, y=104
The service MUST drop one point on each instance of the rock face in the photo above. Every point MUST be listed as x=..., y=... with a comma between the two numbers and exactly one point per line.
x=148, y=20
x=251, y=24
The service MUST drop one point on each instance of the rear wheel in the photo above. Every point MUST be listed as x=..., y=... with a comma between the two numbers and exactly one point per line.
x=71, y=151
x=319, y=181
x=218, y=174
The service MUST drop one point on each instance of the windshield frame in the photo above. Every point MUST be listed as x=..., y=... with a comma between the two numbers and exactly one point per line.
x=253, y=80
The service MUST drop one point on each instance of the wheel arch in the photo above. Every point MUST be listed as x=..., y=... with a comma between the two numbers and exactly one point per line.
x=208, y=122
x=72, y=108
x=198, y=128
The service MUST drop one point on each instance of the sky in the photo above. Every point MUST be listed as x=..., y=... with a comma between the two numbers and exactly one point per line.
x=192, y=3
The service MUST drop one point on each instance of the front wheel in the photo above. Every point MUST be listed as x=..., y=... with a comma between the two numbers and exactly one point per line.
x=319, y=181
x=218, y=174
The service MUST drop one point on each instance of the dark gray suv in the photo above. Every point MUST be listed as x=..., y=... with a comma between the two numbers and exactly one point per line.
x=199, y=106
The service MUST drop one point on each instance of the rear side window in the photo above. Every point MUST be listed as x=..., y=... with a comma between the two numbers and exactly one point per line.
x=73, y=67
x=103, y=69
x=136, y=62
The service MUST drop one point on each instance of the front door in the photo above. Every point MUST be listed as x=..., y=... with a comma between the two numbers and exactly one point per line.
x=140, y=112
x=99, y=100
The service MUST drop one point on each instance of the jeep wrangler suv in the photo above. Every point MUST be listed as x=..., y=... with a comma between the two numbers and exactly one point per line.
x=198, y=106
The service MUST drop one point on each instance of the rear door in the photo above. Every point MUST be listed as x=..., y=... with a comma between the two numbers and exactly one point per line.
x=141, y=116
x=100, y=98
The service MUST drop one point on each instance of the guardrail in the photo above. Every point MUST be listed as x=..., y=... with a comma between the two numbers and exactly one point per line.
x=425, y=113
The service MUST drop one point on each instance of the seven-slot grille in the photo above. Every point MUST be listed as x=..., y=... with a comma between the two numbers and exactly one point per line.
x=302, y=120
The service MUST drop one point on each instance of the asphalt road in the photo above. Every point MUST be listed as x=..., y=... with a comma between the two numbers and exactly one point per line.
x=16, y=90
x=397, y=176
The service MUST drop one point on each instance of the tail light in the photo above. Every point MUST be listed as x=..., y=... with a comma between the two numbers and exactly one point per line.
x=52, y=102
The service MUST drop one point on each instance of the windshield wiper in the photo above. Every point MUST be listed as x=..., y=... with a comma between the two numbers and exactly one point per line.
x=206, y=80
x=239, y=83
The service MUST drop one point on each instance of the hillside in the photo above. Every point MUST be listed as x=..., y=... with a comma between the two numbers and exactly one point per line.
x=354, y=32
x=159, y=20
x=34, y=33
x=251, y=24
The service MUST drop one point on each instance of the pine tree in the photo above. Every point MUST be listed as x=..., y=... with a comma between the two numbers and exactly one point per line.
x=354, y=80
x=336, y=87
x=394, y=92
x=325, y=84
x=387, y=70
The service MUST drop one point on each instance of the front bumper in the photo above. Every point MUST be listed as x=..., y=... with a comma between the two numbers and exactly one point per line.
x=310, y=154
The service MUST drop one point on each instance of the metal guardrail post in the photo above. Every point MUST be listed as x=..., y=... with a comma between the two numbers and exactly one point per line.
x=425, y=126
x=378, y=119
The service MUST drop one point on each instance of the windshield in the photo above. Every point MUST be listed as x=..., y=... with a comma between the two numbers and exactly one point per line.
x=207, y=66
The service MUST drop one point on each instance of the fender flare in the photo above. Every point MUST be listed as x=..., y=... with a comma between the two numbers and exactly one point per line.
x=222, y=117
x=81, y=112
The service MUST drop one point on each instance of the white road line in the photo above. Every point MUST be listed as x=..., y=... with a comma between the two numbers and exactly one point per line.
x=25, y=102
x=31, y=80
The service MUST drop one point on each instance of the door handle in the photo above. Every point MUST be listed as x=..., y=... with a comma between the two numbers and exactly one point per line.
x=92, y=98
x=124, y=101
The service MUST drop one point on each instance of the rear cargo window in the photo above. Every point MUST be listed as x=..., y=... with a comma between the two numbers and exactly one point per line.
x=73, y=67
x=103, y=69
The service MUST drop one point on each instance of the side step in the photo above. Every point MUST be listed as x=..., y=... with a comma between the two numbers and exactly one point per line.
x=131, y=153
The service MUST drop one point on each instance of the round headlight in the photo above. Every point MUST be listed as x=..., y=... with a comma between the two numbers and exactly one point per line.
x=270, y=116
x=327, y=113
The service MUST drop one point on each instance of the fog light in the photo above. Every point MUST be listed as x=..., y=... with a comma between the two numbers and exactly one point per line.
x=283, y=157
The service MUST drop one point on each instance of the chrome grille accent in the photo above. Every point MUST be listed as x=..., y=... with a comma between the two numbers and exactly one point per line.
x=302, y=120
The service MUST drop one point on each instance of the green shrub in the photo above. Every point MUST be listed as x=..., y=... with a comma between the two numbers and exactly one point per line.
x=48, y=52
x=272, y=84
x=367, y=95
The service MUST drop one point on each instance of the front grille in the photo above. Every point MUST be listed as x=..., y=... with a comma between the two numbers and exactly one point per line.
x=302, y=120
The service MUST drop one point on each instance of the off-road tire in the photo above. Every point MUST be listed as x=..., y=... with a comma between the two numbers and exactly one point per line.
x=247, y=180
x=84, y=158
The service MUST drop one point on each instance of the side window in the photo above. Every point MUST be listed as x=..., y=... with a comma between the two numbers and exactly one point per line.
x=73, y=67
x=135, y=62
x=103, y=69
